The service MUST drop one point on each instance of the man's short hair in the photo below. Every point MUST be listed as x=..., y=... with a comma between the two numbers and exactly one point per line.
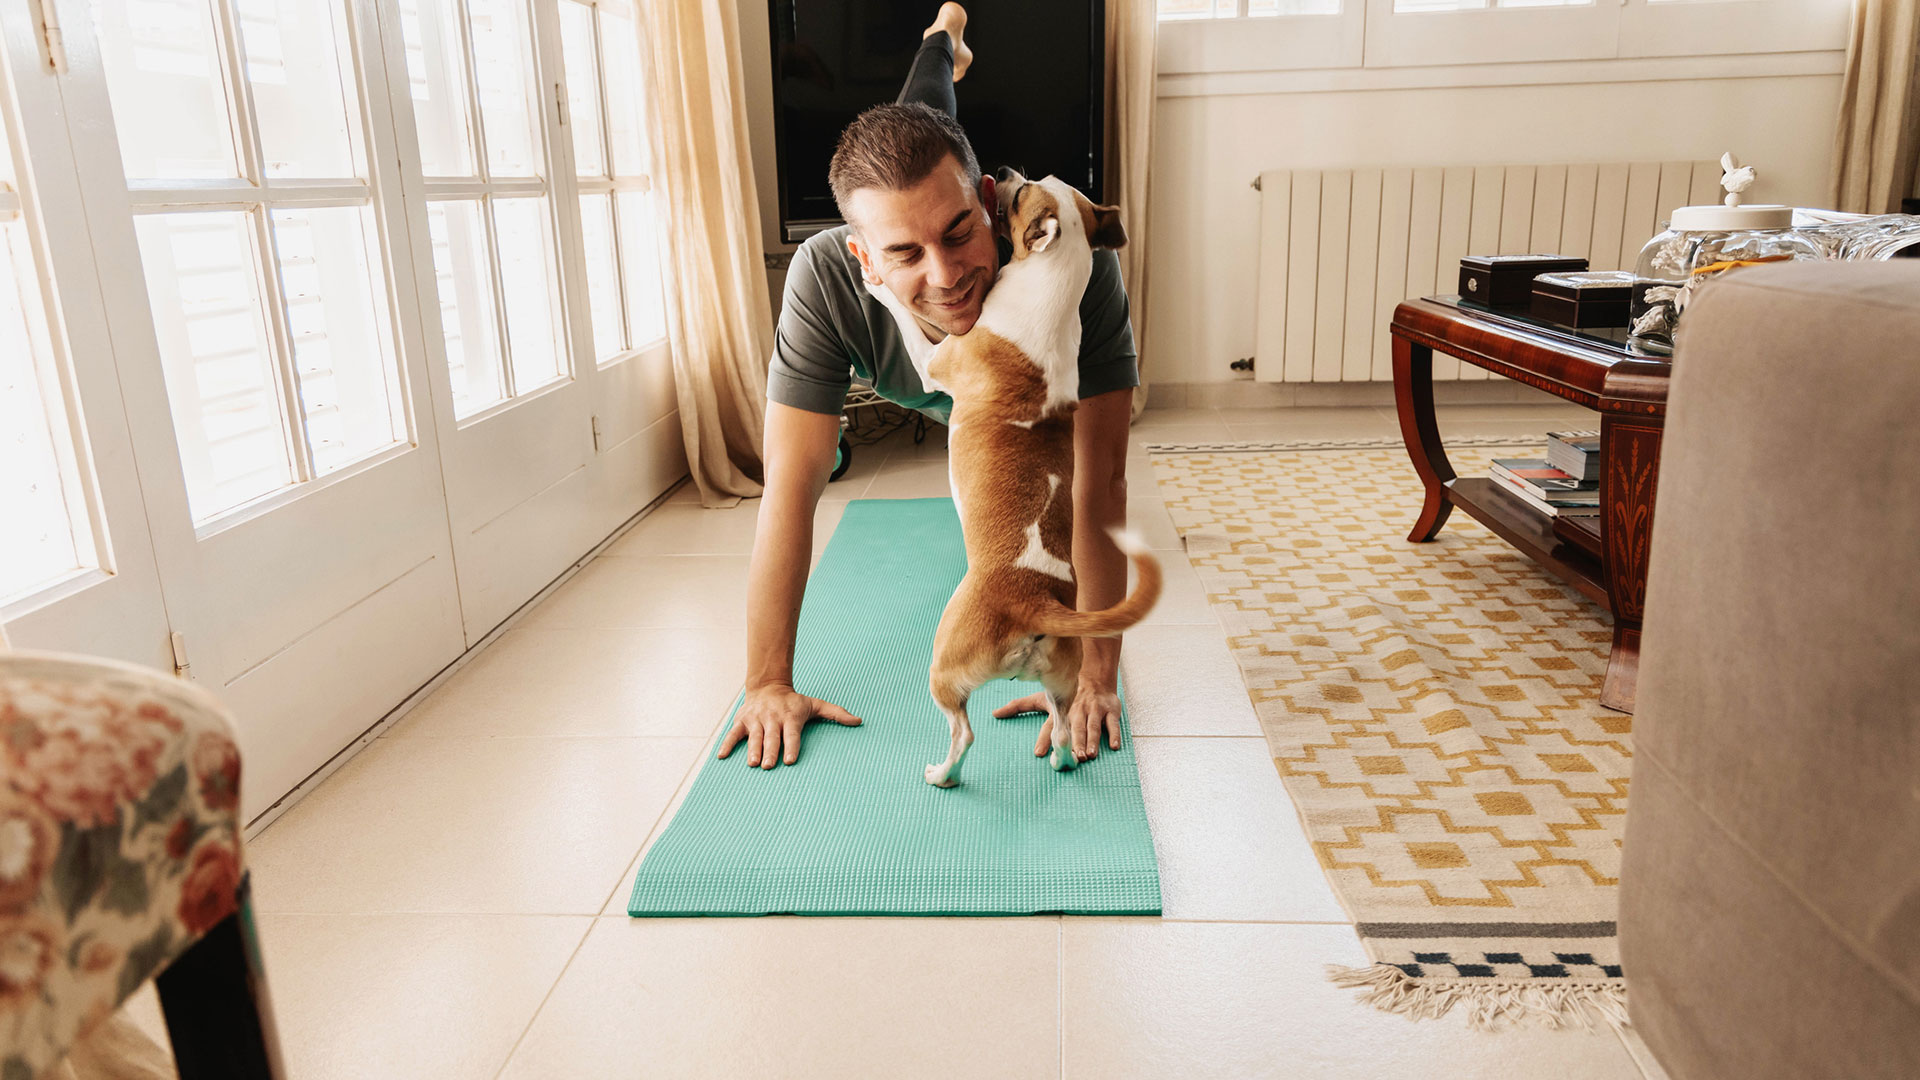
x=894, y=147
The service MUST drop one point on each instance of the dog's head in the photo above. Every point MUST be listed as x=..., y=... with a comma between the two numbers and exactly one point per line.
x=1039, y=215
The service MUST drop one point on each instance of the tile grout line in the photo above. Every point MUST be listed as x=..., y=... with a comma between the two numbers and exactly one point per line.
x=599, y=912
x=660, y=820
x=1213, y=735
x=600, y=915
x=544, y=998
x=547, y=735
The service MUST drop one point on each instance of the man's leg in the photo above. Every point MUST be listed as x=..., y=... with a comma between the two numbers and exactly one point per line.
x=941, y=61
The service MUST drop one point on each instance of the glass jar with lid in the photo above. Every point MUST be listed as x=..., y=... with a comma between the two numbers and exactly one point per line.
x=1698, y=245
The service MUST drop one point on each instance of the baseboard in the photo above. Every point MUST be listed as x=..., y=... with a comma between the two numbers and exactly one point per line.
x=1248, y=394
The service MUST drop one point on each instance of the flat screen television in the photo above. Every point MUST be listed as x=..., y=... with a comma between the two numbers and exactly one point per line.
x=1032, y=99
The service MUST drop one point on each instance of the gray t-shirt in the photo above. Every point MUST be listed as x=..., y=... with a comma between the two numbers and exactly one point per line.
x=833, y=330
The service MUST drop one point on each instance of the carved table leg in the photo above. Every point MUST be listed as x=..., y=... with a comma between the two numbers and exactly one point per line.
x=1413, y=399
x=1632, y=420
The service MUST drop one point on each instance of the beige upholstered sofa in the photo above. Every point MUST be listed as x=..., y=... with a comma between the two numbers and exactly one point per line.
x=1770, y=906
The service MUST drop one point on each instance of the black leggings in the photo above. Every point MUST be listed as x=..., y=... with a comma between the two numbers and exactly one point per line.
x=930, y=79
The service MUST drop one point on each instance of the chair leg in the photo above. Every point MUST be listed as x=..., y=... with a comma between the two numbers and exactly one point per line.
x=218, y=1012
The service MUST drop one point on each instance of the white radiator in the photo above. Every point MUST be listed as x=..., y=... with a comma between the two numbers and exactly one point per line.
x=1339, y=248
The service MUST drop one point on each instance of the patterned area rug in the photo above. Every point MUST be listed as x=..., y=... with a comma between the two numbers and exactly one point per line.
x=1433, y=710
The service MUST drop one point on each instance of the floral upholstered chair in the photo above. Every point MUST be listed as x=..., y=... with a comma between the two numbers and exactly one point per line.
x=120, y=861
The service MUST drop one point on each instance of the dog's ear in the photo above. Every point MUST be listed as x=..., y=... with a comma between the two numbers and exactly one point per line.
x=1042, y=231
x=1103, y=226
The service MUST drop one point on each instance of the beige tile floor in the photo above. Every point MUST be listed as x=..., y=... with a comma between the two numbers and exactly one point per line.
x=449, y=904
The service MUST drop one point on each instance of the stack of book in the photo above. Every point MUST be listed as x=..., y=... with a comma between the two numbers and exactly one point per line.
x=1551, y=491
x=1576, y=453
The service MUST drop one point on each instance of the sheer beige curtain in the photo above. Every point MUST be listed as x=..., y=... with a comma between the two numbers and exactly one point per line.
x=1132, y=27
x=1877, y=141
x=719, y=319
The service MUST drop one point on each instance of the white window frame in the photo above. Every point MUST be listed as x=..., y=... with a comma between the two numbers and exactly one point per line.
x=552, y=151
x=1368, y=34
x=1491, y=35
x=1708, y=27
x=1193, y=45
x=59, y=393
x=612, y=184
x=258, y=196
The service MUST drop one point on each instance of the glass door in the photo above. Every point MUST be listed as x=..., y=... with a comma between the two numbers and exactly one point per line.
x=486, y=228
x=77, y=571
x=615, y=245
x=304, y=304
x=244, y=211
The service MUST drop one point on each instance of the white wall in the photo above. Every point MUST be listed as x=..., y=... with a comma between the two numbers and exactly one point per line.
x=1207, y=150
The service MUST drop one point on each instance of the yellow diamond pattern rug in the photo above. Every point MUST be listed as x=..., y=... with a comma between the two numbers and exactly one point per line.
x=1433, y=710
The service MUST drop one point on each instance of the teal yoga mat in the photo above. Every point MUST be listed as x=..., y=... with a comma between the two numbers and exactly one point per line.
x=854, y=828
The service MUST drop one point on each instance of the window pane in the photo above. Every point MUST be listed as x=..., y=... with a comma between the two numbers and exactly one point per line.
x=1415, y=6
x=300, y=98
x=500, y=52
x=437, y=82
x=627, y=131
x=583, y=88
x=603, y=281
x=526, y=281
x=163, y=78
x=203, y=283
x=349, y=389
x=1259, y=8
x=640, y=263
x=37, y=500
x=1185, y=9
x=467, y=321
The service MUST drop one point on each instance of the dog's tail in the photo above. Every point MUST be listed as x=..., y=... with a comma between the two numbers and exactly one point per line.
x=1059, y=620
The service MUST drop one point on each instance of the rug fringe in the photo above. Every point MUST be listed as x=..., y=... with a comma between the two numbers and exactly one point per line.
x=1488, y=1004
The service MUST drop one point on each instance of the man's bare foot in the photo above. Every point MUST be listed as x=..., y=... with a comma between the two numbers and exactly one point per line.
x=953, y=19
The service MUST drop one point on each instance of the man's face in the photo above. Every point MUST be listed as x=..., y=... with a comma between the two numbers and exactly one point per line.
x=931, y=245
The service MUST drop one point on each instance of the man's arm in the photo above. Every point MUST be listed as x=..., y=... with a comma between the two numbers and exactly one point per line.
x=1099, y=569
x=1099, y=505
x=1109, y=371
x=799, y=453
x=807, y=380
x=799, y=457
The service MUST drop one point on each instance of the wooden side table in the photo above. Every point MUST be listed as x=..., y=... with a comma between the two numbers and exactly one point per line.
x=1604, y=557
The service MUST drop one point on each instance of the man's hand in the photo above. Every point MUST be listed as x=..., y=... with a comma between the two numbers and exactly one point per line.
x=1095, y=709
x=771, y=718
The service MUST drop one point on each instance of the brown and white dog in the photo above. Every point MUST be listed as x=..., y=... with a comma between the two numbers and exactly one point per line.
x=1014, y=378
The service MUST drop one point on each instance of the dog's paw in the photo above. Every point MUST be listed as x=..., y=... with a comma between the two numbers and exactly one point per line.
x=937, y=776
x=1062, y=759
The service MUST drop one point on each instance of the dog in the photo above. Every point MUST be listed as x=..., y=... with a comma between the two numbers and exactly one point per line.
x=1014, y=379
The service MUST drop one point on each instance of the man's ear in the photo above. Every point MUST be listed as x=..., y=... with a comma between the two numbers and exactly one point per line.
x=989, y=201
x=1041, y=232
x=1104, y=229
x=866, y=264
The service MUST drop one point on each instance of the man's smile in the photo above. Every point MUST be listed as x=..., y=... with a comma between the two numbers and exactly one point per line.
x=958, y=300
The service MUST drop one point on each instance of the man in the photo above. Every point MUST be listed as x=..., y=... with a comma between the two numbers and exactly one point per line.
x=920, y=224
